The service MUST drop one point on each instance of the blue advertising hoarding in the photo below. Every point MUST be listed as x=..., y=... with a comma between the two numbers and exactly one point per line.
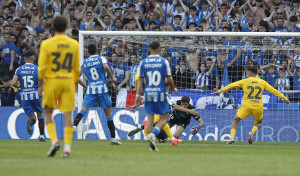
x=277, y=125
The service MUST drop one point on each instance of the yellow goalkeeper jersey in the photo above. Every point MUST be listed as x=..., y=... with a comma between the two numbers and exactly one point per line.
x=59, y=58
x=253, y=88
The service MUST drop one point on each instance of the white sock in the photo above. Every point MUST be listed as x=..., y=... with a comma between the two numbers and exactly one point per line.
x=67, y=148
x=41, y=136
x=53, y=142
x=172, y=138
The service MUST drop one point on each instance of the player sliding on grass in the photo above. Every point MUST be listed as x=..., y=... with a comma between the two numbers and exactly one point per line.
x=181, y=117
x=95, y=68
x=253, y=88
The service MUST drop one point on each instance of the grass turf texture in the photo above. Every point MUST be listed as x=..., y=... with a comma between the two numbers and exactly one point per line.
x=99, y=157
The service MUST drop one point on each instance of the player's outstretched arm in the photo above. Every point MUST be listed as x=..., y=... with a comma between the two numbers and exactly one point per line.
x=182, y=109
x=229, y=87
x=277, y=93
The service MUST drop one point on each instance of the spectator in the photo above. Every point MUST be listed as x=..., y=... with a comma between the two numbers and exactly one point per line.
x=9, y=56
x=135, y=62
x=9, y=93
x=24, y=22
x=202, y=76
x=17, y=27
x=250, y=24
x=214, y=78
x=296, y=83
x=193, y=18
x=74, y=25
x=271, y=75
x=180, y=9
x=182, y=76
x=122, y=73
x=35, y=15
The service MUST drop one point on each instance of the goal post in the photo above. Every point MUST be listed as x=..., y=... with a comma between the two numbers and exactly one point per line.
x=250, y=47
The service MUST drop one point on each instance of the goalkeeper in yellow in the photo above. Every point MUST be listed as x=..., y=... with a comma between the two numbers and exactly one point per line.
x=253, y=88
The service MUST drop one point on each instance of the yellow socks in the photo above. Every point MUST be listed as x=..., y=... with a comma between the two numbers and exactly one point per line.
x=168, y=130
x=232, y=132
x=68, y=135
x=51, y=131
x=254, y=129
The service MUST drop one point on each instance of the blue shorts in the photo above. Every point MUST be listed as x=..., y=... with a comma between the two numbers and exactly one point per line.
x=91, y=100
x=157, y=107
x=31, y=106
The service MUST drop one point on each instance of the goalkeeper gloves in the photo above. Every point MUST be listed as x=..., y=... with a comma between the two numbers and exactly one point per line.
x=195, y=129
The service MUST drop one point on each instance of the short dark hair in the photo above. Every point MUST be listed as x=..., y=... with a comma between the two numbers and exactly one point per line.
x=154, y=45
x=253, y=69
x=28, y=55
x=16, y=20
x=9, y=17
x=6, y=78
x=177, y=16
x=193, y=8
x=185, y=99
x=60, y=23
x=293, y=19
x=92, y=49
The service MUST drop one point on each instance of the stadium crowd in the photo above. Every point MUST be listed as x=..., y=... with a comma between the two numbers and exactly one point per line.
x=196, y=62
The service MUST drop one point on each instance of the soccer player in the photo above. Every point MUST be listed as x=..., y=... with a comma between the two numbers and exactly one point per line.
x=58, y=76
x=31, y=102
x=155, y=69
x=183, y=118
x=253, y=88
x=95, y=68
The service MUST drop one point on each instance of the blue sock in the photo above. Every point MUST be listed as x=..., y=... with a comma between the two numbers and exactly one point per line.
x=83, y=113
x=155, y=131
x=109, y=118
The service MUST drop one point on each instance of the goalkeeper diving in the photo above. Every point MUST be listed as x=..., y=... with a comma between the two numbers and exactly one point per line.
x=253, y=88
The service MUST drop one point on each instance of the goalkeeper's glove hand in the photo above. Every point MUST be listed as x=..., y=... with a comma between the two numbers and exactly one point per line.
x=195, y=129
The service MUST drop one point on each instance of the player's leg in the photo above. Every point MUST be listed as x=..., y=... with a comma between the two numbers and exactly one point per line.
x=68, y=133
x=179, y=130
x=79, y=117
x=52, y=91
x=168, y=131
x=152, y=132
x=39, y=112
x=67, y=105
x=51, y=131
x=242, y=113
x=29, y=111
x=41, y=126
x=258, y=116
x=105, y=104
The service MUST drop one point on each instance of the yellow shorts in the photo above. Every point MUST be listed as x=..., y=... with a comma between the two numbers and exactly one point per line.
x=59, y=93
x=245, y=112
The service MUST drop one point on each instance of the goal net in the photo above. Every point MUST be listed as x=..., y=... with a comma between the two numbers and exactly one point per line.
x=201, y=62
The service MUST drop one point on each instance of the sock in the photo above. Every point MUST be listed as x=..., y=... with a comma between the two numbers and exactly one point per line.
x=232, y=132
x=79, y=117
x=111, y=126
x=52, y=132
x=67, y=147
x=168, y=130
x=68, y=135
x=155, y=131
x=33, y=121
x=172, y=138
x=41, y=126
x=254, y=129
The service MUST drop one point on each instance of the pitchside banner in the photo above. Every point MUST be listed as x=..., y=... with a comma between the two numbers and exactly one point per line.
x=277, y=126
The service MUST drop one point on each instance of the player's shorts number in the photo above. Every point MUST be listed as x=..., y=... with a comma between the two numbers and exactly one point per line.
x=251, y=92
x=67, y=63
x=28, y=82
x=154, y=78
x=94, y=73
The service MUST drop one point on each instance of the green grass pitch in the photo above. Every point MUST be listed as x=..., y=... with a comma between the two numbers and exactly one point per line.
x=99, y=157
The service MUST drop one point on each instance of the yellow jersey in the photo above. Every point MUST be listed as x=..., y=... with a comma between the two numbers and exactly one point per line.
x=253, y=88
x=59, y=58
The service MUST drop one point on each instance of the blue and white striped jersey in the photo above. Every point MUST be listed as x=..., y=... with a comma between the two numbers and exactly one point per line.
x=155, y=69
x=28, y=76
x=133, y=72
x=93, y=69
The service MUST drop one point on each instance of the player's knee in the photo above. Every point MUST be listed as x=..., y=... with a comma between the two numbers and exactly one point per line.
x=236, y=119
